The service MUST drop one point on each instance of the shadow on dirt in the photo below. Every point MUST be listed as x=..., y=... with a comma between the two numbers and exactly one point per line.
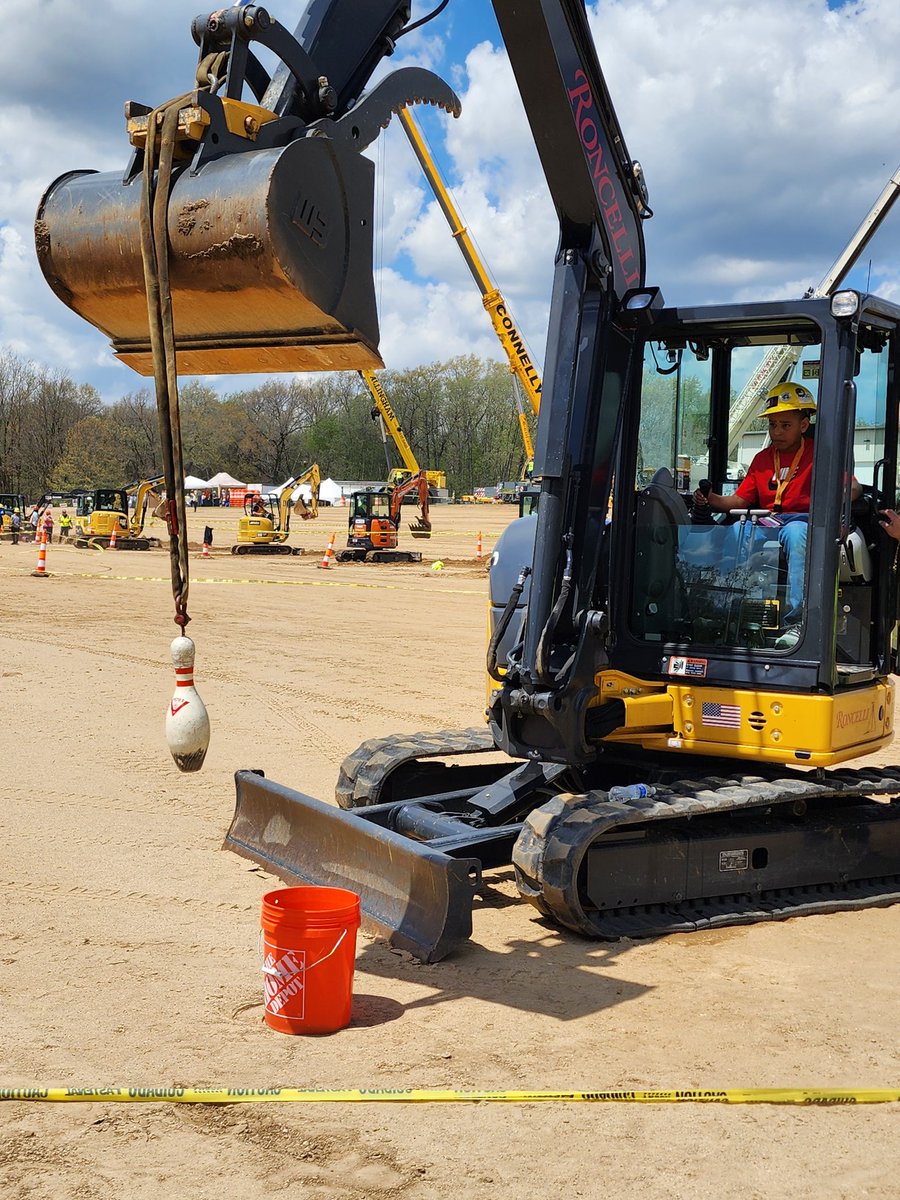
x=551, y=973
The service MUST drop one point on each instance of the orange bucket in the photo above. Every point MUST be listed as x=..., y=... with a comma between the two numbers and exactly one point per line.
x=308, y=941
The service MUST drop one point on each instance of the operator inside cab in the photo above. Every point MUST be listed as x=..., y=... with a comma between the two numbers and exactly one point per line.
x=779, y=479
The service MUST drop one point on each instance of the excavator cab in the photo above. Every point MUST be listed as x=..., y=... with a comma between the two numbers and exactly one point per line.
x=729, y=610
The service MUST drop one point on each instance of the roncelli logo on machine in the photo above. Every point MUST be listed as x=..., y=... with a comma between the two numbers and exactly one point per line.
x=597, y=153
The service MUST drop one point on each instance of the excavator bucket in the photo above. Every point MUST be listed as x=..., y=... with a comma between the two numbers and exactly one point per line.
x=270, y=260
x=420, y=529
x=417, y=897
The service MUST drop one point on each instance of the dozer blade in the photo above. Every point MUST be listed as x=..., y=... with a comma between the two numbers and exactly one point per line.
x=270, y=260
x=419, y=898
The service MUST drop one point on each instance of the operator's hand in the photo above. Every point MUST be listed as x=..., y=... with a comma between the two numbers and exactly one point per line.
x=890, y=523
x=700, y=499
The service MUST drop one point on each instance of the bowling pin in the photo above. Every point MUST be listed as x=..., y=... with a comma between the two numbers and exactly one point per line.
x=187, y=722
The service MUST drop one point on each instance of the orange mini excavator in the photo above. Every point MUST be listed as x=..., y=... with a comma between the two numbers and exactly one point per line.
x=375, y=522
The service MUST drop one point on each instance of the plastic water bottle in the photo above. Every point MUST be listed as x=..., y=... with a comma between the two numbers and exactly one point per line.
x=634, y=791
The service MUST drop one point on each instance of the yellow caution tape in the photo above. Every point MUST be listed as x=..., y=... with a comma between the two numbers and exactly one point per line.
x=810, y=1097
x=327, y=583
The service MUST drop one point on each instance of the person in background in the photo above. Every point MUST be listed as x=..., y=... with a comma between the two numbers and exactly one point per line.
x=15, y=525
x=34, y=520
x=65, y=525
x=48, y=525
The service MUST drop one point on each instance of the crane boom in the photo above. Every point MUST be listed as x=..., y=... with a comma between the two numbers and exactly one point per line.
x=388, y=420
x=778, y=361
x=497, y=309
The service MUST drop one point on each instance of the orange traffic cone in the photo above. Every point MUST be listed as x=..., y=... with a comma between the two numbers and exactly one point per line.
x=41, y=570
x=205, y=553
x=329, y=553
x=112, y=539
x=478, y=547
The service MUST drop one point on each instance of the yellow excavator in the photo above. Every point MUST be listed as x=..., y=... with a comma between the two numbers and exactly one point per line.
x=266, y=524
x=99, y=512
x=675, y=705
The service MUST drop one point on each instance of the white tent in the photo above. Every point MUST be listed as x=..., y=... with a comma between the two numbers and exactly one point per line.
x=224, y=480
x=330, y=492
x=193, y=482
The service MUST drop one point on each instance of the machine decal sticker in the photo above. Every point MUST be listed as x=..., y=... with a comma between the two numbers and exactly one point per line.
x=724, y=716
x=693, y=668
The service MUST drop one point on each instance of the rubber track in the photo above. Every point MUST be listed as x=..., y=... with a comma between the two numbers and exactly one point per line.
x=555, y=837
x=364, y=772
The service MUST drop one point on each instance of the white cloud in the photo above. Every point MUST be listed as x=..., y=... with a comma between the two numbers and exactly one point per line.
x=766, y=131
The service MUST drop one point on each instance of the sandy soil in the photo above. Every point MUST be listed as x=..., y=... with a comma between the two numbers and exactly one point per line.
x=129, y=936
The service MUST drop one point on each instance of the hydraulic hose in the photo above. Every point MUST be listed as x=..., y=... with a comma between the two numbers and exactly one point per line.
x=503, y=624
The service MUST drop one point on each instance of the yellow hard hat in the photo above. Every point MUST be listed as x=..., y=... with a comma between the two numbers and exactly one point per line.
x=788, y=397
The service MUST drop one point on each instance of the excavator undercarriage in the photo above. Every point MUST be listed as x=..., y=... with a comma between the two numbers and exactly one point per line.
x=418, y=836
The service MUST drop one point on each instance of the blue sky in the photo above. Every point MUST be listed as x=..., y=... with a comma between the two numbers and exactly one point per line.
x=765, y=131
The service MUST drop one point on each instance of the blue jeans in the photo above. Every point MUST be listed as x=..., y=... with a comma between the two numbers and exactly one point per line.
x=724, y=546
x=792, y=539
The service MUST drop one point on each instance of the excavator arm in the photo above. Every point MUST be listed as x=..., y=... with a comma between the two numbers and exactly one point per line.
x=307, y=512
x=601, y=201
x=418, y=484
x=145, y=496
x=269, y=223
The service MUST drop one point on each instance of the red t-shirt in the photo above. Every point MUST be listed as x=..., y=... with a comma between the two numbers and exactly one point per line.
x=758, y=485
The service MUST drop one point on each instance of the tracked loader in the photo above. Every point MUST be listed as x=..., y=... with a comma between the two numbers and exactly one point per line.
x=668, y=758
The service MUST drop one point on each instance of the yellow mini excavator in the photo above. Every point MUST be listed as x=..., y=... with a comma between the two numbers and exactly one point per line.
x=99, y=512
x=674, y=748
x=265, y=525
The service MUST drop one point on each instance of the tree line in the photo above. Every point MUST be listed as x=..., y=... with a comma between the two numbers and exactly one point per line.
x=458, y=416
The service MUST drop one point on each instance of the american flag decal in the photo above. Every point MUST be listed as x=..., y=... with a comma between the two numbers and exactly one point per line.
x=725, y=716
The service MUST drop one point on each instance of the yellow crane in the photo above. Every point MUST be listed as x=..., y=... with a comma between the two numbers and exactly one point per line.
x=387, y=418
x=520, y=363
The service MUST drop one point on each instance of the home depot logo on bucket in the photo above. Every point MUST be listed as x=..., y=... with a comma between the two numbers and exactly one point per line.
x=308, y=952
x=283, y=981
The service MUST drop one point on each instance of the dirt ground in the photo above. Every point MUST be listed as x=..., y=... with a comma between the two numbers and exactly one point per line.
x=129, y=936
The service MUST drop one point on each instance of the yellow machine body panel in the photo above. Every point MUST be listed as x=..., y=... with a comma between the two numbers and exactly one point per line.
x=759, y=726
x=100, y=524
x=259, y=531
